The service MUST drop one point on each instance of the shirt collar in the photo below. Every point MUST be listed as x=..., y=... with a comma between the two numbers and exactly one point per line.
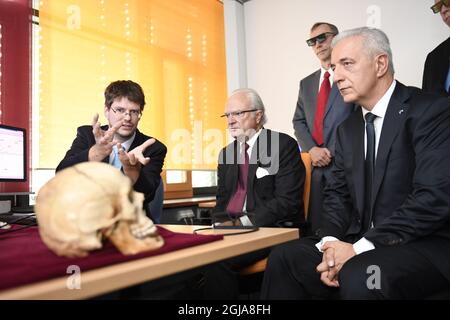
x=322, y=73
x=252, y=140
x=127, y=144
x=380, y=107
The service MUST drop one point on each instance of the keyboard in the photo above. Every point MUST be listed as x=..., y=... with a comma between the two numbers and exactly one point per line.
x=27, y=209
x=23, y=219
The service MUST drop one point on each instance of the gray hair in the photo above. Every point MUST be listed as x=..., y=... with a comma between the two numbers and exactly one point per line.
x=333, y=28
x=254, y=99
x=375, y=42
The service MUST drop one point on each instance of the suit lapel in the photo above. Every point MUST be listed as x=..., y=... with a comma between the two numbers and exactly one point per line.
x=232, y=172
x=358, y=159
x=259, y=147
x=311, y=92
x=394, y=119
x=331, y=98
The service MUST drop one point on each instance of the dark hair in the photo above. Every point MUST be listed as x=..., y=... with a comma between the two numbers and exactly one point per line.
x=333, y=28
x=124, y=88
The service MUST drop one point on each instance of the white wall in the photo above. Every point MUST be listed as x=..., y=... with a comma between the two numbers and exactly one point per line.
x=278, y=57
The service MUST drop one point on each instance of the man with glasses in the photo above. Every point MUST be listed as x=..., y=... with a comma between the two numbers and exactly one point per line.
x=320, y=109
x=436, y=73
x=120, y=143
x=260, y=184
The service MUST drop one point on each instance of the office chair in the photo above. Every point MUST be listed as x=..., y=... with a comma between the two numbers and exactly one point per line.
x=155, y=207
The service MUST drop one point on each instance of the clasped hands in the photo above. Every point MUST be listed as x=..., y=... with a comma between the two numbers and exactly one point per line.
x=335, y=254
x=320, y=157
x=104, y=142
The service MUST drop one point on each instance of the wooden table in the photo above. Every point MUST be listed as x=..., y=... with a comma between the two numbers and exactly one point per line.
x=118, y=276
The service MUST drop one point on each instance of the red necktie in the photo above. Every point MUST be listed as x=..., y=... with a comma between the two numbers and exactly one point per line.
x=236, y=203
x=322, y=99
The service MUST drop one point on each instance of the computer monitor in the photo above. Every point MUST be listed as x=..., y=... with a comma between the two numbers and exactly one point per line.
x=13, y=154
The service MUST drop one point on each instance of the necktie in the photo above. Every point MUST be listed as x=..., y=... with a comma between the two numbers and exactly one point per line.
x=236, y=203
x=322, y=100
x=116, y=161
x=369, y=168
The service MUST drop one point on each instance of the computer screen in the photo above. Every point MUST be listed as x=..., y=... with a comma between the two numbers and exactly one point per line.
x=12, y=153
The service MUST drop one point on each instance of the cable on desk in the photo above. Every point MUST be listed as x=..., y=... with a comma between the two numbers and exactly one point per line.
x=2, y=229
x=247, y=230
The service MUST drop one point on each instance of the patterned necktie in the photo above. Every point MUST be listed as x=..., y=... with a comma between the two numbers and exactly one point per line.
x=236, y=203
x=116, y=161
x=369, y=168
x=322, y=100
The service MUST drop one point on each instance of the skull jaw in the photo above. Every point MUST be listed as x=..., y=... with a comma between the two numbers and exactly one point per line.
x=127, y=244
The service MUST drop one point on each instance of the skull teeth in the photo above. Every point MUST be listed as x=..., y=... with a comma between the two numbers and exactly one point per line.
x=144, y=230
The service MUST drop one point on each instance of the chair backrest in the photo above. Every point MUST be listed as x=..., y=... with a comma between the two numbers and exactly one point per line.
x=306, y=158
x=156, y=205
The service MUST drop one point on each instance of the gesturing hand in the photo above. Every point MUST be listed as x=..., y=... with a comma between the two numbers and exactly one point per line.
x=103, y=140
x=134, y=159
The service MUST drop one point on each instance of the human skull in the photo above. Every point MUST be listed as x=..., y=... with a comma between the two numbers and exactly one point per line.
x=87, y=202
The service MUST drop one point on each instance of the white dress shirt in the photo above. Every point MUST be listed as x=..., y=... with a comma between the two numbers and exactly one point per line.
x=322, y=73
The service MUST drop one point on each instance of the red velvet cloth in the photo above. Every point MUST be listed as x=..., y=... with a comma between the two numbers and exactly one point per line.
x=25, y=259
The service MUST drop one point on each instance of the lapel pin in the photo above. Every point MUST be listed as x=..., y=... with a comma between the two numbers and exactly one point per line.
x=401, y=111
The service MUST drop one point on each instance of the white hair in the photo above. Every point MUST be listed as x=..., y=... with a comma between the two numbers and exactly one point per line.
x=255, y=101
x=375, y=42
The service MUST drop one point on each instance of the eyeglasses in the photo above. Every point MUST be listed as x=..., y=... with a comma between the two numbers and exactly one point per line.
x=320, y=38
x=135, y=114
x=438, y=5
x=237, y=114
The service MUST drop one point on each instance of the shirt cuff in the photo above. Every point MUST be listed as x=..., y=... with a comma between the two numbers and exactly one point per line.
x=324, y=240
x=363, y=245
x=245, y=221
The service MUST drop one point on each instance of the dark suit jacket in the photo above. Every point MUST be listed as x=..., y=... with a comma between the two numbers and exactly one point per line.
x=336, y=112
x=411, y=193
x=274, y=198
x=149, y=177
x=436, y=69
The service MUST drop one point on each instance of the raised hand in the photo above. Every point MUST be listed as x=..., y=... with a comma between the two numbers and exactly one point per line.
x=133, y=160
x=103, y=140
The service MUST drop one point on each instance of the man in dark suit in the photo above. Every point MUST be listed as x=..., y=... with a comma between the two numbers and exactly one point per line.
x=436, y=73
x=261, y=186
x=120, y=143
x=316, y=119
x=386, y=228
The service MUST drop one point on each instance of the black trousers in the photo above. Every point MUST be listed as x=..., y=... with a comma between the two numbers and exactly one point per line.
x=398, y=272
x=221, y=280
x=315, y=200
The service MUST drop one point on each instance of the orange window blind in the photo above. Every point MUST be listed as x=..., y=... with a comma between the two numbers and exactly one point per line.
x=175, y=49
